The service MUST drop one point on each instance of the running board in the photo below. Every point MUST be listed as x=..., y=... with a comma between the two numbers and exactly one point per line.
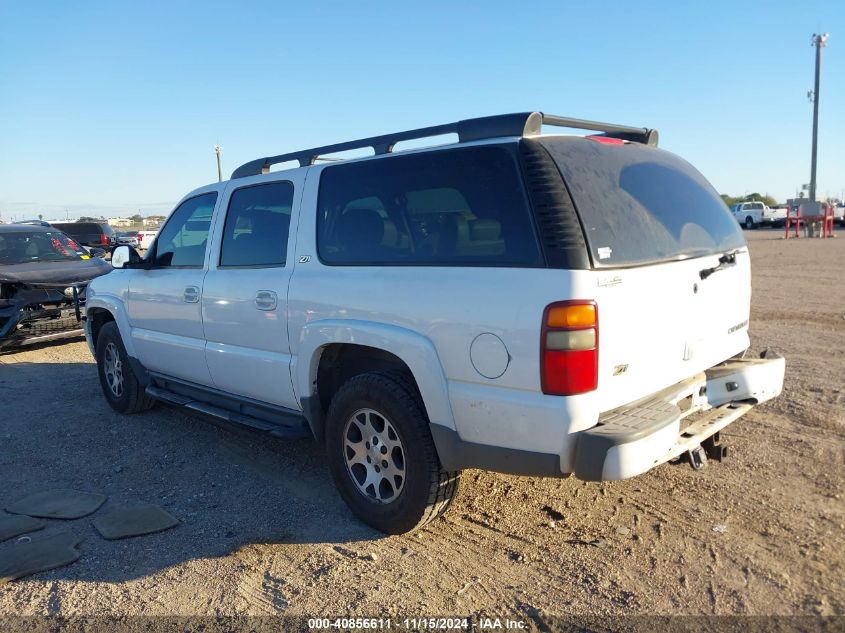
x=287, y=426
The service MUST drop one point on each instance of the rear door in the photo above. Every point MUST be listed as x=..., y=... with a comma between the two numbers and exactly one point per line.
x=244, y=300
x=668, y=308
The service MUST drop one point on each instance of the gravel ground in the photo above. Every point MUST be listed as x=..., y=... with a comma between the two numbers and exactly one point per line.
x=263, y=531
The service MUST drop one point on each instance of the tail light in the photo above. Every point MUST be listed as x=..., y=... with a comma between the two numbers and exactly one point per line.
x=569, y=348
x=104, y=239
x=139, y=237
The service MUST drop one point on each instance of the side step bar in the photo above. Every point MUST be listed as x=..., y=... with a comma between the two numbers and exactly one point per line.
x=288, y=426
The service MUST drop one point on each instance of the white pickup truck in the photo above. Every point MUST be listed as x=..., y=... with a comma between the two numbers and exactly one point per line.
x=754, y=214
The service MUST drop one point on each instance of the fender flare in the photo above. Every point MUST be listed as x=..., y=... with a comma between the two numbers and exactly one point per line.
x=412, y=348
x=113, y=305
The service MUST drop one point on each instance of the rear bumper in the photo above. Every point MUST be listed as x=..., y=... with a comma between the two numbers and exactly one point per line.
x=637, y=437
x=632, y=439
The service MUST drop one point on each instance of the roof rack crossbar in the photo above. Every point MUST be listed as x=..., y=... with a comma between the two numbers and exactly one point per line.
x=502, y=125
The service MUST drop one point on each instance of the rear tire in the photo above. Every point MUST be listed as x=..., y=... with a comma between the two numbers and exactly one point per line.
x=749, y=223
x=120, y=386
x=382, y=456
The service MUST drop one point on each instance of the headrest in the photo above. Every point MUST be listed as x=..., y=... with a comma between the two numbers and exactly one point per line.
x=485, y=230
x=269, y=224
x=365, y=224
x=391, y=234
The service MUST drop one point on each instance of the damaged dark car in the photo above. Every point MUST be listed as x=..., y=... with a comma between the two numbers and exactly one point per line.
x=43, y=278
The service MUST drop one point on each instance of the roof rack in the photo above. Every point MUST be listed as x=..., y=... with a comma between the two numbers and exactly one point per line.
x=518, y=124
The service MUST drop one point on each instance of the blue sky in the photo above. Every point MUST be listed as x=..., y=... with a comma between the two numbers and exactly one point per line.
x=114, y=107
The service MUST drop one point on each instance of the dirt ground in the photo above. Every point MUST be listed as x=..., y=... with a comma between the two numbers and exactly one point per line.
x=263, y=531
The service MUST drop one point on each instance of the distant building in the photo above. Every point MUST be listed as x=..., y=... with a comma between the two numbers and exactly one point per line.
x=119, y=222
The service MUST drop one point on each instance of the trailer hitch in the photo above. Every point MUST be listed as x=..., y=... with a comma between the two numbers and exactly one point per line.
x=696, y=458
x=714, y=448
x=711, y=448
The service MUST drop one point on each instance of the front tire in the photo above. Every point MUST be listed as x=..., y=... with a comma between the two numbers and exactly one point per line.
x=382, y=456
x=120, y=386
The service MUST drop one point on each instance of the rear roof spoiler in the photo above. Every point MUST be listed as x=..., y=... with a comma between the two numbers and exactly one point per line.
x=500, y=125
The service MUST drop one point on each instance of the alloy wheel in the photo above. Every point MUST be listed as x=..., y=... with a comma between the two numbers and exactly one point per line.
x=113, y=370
x=375, y=457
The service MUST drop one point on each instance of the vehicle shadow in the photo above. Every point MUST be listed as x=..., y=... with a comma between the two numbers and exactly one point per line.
x=10, y=352
x=229, y=488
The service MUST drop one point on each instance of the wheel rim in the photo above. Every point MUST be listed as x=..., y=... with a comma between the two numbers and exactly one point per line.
x=113, y=370
x=749, y=223
x=375, y=457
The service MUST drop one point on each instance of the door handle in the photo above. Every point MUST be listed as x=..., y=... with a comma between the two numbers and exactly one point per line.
x=266, y=300
x=191, y=294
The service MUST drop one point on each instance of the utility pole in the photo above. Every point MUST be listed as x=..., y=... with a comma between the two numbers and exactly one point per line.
x=819, y=41
x=219, y=150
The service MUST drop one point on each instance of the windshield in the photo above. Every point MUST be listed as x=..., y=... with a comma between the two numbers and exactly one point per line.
x=641, y=205
x=24, y=247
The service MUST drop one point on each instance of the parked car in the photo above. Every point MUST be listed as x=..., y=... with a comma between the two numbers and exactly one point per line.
x=43, y=279
x=33, y=222
x=753, y=215
x=778, y=215
x=90, y=233
x=533, y=304
x=128, y=237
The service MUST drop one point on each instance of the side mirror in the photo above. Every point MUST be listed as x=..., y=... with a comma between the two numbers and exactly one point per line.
x=125, y=256
x=93, y=251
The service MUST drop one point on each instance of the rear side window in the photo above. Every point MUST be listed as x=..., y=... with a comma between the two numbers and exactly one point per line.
x=463, y=207
x=641, y=205
x=257, y=225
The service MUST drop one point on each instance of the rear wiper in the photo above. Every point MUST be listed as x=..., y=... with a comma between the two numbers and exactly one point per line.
x=728, y=259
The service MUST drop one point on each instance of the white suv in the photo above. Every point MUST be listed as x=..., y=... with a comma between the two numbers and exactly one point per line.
x=530, y=304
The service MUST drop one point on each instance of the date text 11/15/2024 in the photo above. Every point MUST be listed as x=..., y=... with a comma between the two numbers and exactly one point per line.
x=417, y=623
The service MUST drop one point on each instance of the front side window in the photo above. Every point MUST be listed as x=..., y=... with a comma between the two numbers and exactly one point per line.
x=258, y=225
x=462, y=207
x=182, y=241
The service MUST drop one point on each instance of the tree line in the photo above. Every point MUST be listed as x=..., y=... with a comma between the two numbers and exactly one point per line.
x=751, y=197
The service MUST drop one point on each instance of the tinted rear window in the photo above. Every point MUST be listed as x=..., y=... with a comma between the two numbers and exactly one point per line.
x=78, y=227
x=639, y=204
x=258, y=225
x=462, y=207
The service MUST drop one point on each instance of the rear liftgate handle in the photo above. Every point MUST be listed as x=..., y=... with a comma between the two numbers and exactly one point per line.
x=266, y=300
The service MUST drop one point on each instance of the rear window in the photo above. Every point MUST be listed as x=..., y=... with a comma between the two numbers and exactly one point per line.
x=462, y=207
x=640, y=205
